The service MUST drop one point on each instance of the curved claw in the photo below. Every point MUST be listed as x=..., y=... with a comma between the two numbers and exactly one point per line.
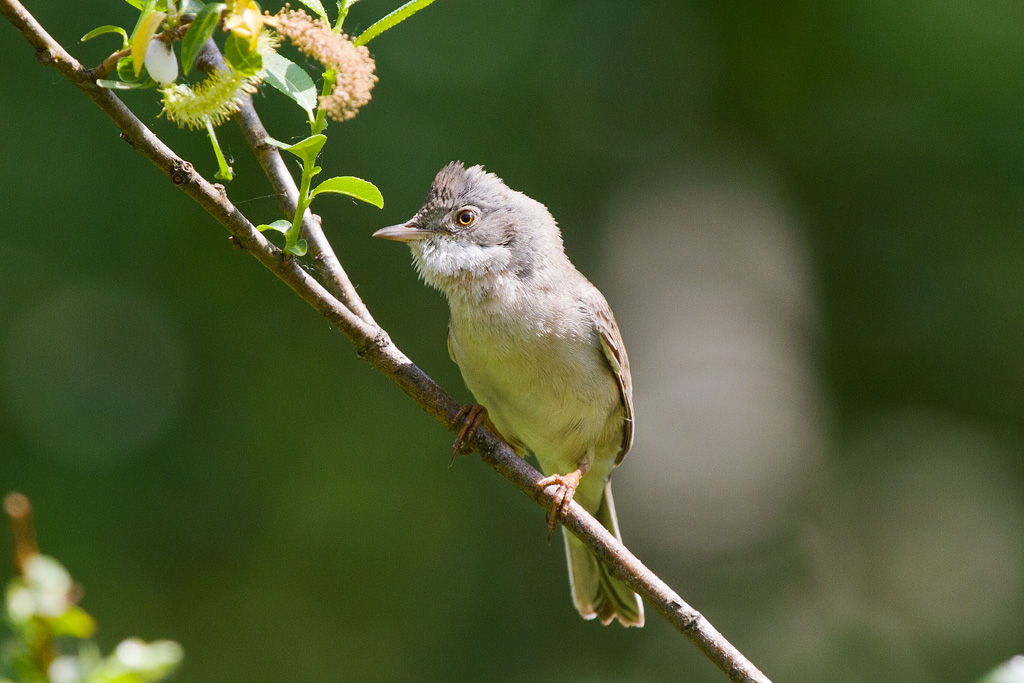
x=470, y=416
x=567, y=484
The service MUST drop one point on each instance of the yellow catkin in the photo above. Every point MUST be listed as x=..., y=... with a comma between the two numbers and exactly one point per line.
x=217, y=96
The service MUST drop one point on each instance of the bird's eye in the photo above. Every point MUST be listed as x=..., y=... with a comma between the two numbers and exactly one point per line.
x=466, y=217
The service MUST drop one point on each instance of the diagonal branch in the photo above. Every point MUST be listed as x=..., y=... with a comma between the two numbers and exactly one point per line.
x=281, y=180
x=347, y=313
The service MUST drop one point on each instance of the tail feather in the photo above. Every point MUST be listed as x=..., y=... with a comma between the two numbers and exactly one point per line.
x=594, y=592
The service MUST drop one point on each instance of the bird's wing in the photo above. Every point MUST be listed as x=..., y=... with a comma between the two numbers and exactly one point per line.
x=615, y=352
x=448, y=338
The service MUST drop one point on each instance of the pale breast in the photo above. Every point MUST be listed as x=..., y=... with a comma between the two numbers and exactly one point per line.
x=544, y=382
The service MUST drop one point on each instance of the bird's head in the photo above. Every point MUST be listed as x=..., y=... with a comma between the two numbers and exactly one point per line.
x=473, y=227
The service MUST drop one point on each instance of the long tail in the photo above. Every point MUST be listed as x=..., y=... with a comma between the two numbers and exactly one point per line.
x=594, y=592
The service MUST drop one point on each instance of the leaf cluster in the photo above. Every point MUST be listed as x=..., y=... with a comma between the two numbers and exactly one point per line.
x=147, y=60
x=50, y=636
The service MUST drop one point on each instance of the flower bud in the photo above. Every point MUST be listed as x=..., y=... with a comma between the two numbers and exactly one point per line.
x=160, y=62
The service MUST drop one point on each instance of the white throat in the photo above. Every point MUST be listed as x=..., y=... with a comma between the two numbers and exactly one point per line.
x=442, y=261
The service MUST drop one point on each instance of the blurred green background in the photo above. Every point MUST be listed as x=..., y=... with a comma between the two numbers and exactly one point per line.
x=807, y=217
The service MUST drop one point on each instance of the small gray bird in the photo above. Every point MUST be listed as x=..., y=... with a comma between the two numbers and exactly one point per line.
x=538, y=346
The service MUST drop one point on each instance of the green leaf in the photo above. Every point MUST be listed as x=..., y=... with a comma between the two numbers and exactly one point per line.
x=126, y=69
x=129, y=81
x=198, y=33
x=288, y=77
x=316, y=7
x=353, y=187
x=282, y=226
x=237, y=52
x=107, y=29
x=307, y=149
x=75, y=622
x=137, y=4
x=224, y=171
x=22, y=666
x=299, y=248
x=126, y=85
x=399, y=15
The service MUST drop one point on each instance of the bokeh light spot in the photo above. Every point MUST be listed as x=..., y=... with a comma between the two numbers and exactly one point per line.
x=711, y=293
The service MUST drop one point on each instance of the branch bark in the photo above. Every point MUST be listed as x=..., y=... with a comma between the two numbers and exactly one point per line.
x=281, y=180
x=341, y=306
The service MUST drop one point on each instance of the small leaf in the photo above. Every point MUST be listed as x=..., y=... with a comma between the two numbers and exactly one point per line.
x=390, y=20
x=125, y=85
x=198, y=33
x=282, y=226
x=143, y=34
x=126, y=71
x=237, y=52
x=316, y=7
x=353, y=187
x=299, y=248
x=75, y=622
x=137, y=4
x=289, y=78
x=126, y=68
x=307, y=149
x=224, y=170
x=107, y=29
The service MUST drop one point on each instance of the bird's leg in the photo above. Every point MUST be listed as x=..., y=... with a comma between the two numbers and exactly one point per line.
x=470, y=416
x=567, y=484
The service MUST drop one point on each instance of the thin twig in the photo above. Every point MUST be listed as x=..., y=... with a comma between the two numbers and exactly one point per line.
x=320, y=249
x=281, y=180
x=110, y=63
x=373, y=344
x=19, y=510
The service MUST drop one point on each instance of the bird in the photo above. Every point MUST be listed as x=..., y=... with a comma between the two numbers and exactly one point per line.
x=538, y=347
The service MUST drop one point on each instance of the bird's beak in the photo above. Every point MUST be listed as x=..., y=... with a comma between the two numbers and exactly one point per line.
x=409, y=232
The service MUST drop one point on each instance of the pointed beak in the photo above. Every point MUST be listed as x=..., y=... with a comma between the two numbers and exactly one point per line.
x=409, y=232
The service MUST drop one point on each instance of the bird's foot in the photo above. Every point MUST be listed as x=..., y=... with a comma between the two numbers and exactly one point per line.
x=470, y=416
x=567, y=484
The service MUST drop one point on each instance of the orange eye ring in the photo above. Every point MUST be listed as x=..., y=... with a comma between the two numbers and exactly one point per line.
x=465, y=217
